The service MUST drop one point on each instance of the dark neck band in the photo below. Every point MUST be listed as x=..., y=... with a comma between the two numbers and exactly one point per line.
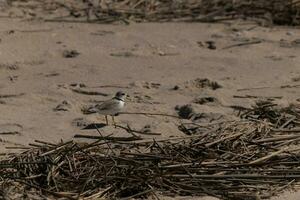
x=118, y=99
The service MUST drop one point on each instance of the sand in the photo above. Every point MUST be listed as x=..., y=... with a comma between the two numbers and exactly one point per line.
x=42, y=65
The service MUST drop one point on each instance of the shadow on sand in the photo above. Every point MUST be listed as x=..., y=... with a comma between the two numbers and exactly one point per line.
x=94, y=126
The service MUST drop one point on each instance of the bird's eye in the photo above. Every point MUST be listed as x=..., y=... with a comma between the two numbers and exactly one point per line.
x=123, y=94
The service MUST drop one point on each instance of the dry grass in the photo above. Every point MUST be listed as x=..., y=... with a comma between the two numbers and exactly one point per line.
x=246, y=159
x=282, y=12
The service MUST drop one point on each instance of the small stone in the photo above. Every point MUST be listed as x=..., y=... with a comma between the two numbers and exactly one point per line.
x=185, y=111
x=70, y=53
x=176, y=87
x=211, y=45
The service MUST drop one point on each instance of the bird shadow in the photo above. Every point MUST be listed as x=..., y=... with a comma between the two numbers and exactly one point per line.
x=94, y=126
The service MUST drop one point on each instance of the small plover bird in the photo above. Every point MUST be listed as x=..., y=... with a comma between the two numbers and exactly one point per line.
x=111, y=107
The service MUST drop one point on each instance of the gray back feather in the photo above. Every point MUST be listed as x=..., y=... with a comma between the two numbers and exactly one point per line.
x=106, y=105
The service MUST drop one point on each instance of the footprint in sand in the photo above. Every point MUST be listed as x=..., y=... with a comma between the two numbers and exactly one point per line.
x=9, y=66
x=210, y=100
x=145, y=84
x=7, y=96
x=202, y=83
x=190, y=112
x=198, y=83
x=63, y=106
x=80, y=122
x=10, y=129
x=82, y=89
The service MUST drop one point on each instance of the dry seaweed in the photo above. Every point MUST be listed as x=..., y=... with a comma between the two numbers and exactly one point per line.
x=282, y=12
x=268, y=111
x=230, y=160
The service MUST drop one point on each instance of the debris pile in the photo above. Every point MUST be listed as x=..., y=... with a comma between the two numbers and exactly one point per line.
x=282, y=12
x=250, y=158
x=266, y=110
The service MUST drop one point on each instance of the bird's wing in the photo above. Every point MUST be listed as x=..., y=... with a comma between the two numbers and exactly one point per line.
x=107, y=105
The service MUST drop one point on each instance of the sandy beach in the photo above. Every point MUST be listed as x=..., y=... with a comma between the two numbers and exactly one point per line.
x=51, y=72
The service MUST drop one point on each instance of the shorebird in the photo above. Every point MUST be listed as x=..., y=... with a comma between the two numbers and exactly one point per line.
x=112, y=106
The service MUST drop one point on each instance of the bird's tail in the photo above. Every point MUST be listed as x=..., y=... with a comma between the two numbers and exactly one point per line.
x=89, y=110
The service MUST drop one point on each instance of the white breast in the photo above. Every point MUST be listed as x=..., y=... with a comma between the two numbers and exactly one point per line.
x=118, y=108
x=121, y=104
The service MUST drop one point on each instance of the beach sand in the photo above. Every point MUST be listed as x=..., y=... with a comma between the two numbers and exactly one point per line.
x=50, y=72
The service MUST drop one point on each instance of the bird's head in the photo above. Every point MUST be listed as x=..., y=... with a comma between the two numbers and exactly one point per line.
x=121, y=95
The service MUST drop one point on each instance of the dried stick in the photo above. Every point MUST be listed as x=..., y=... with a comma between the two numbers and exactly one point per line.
x=56, y=148
x=243, y=44
x=253, y=88
x=108, y=138
x=144, y=113
x=57, y=194
x=230, y=137
x=267, y=157
x=128, y=129
x=276, y=139
x=247, y=176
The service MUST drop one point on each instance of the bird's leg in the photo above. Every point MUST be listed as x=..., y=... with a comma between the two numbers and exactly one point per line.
x=106, y=120
x=113, y=119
